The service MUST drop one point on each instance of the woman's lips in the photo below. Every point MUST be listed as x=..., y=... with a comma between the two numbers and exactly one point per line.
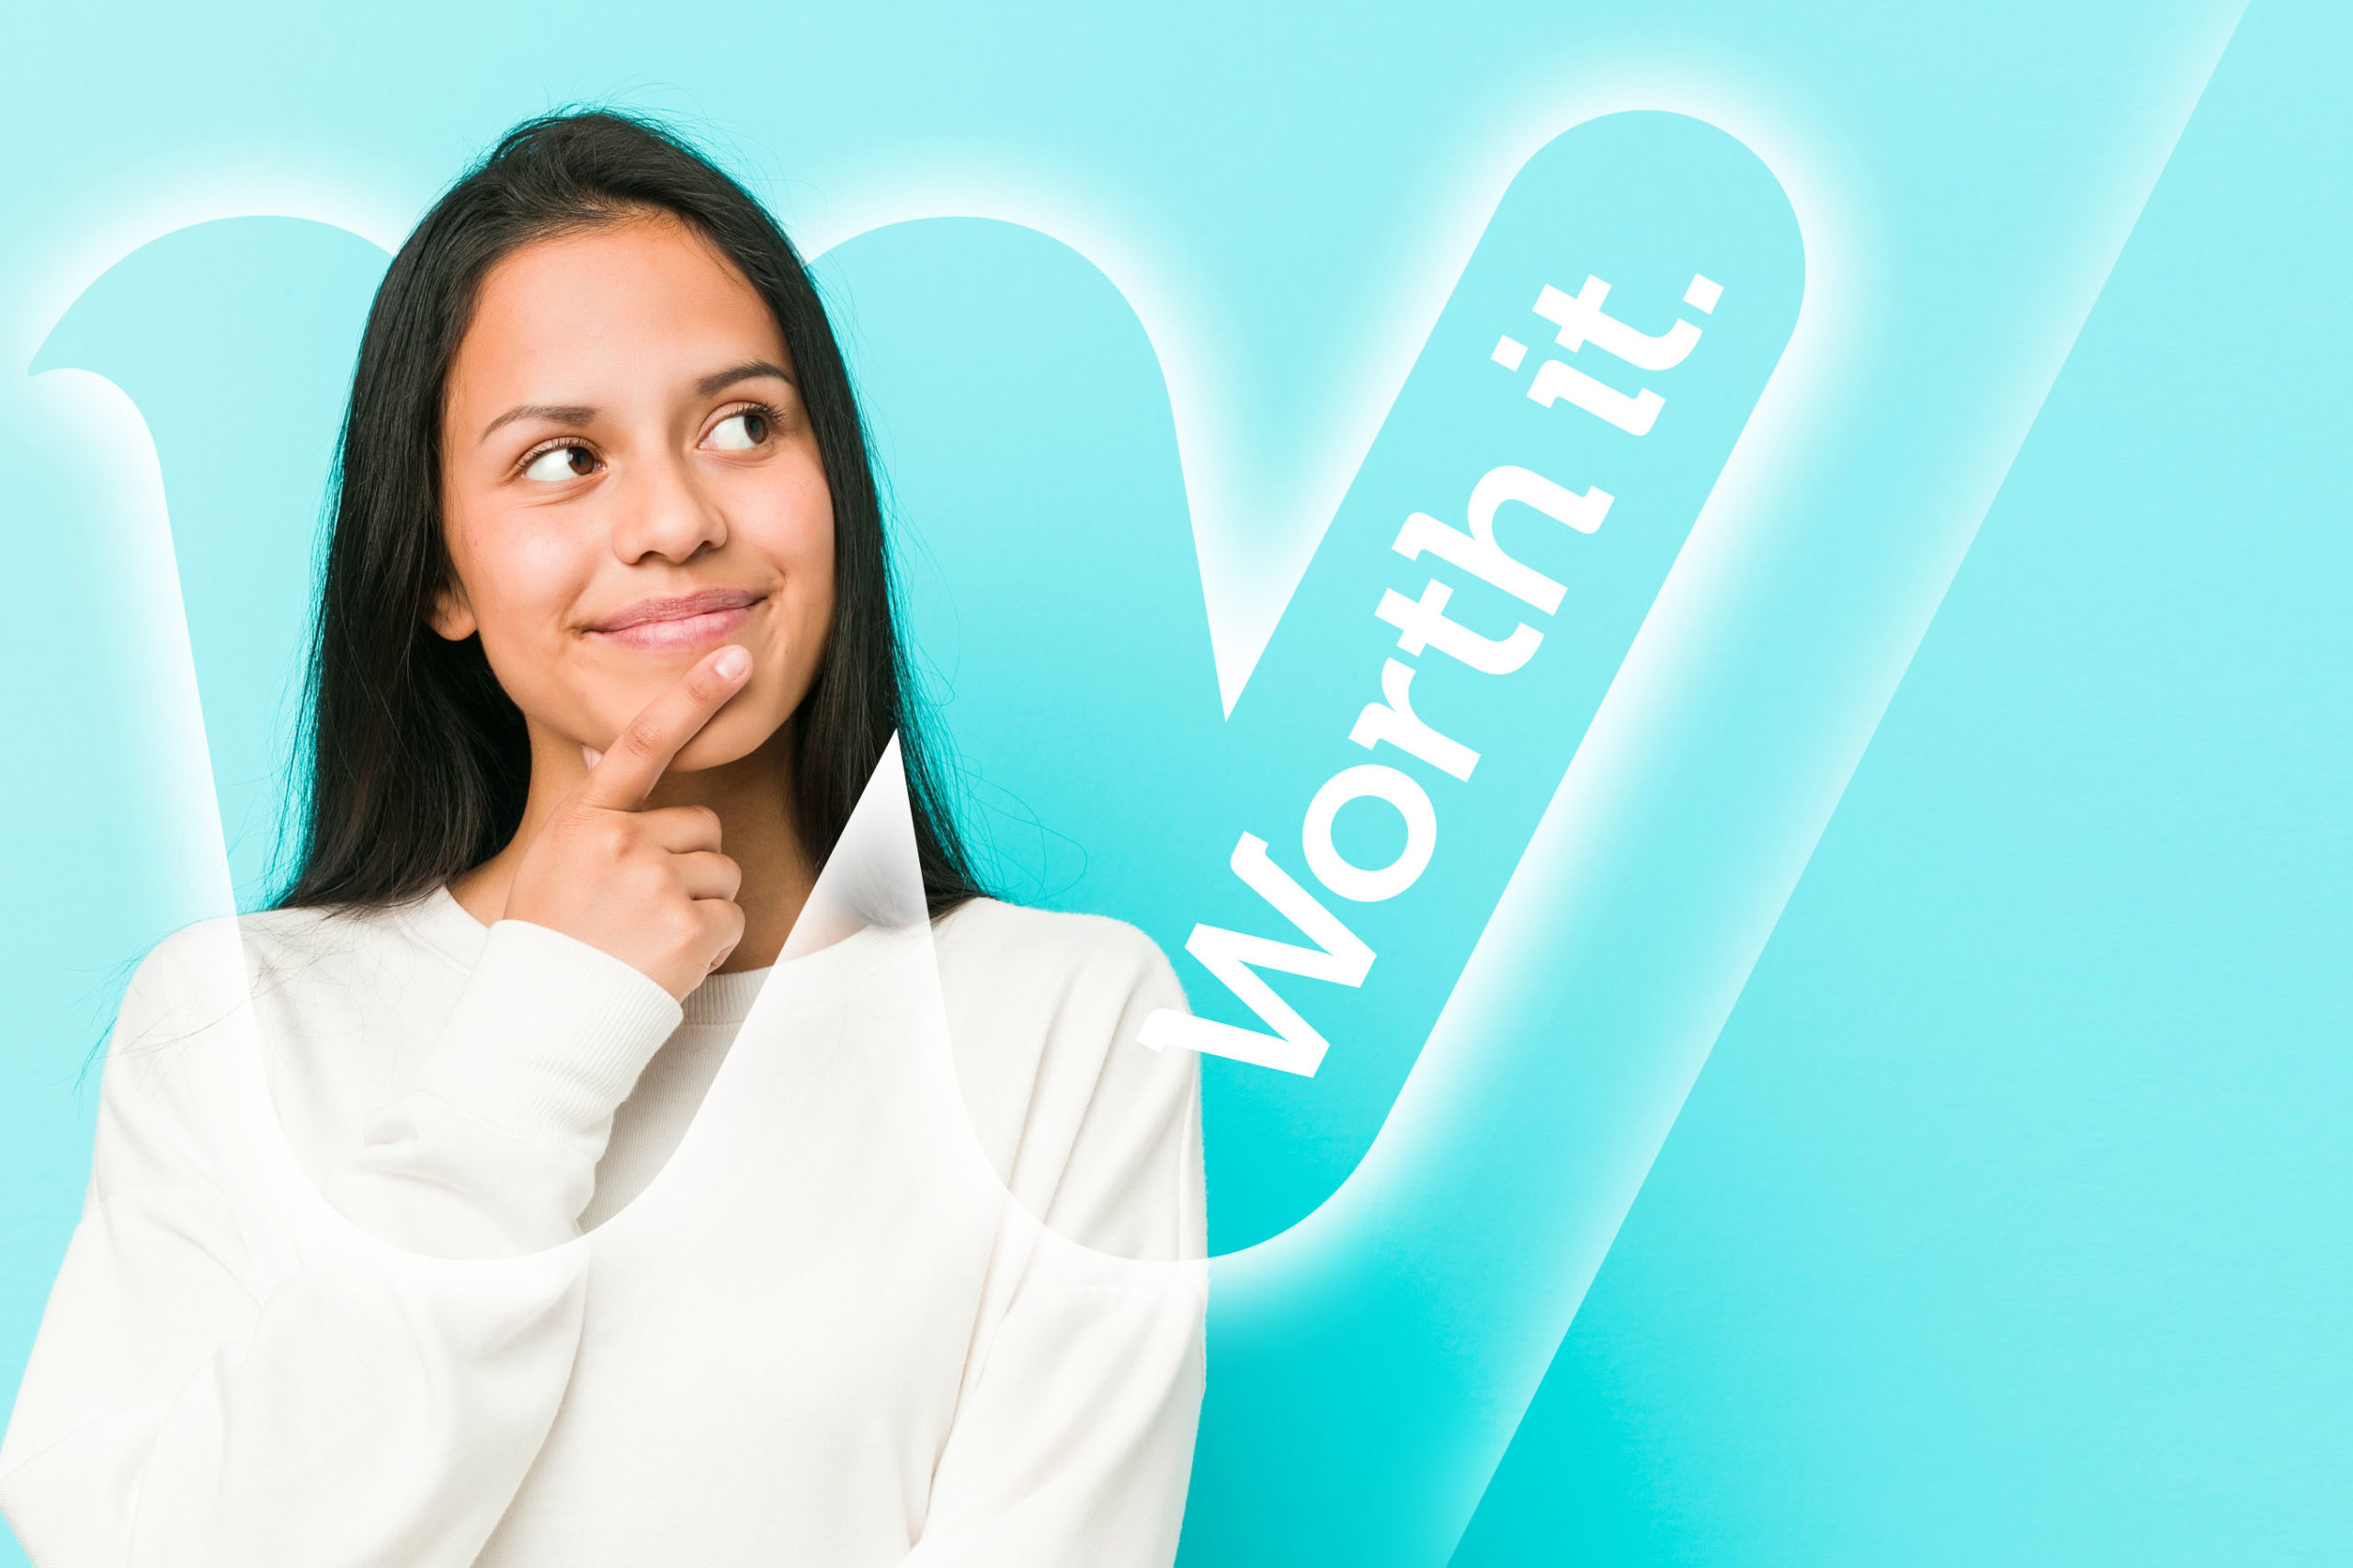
x=695, y=621
x=687, y=632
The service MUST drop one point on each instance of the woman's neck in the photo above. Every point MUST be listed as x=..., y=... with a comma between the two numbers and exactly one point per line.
x=753, y=800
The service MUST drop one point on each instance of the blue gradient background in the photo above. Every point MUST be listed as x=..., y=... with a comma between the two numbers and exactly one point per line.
x=1975, y=794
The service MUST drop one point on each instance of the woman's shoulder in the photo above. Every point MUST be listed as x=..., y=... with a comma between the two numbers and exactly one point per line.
x=307, y=995
x=290, y=940
x=203, y=973
x=279, y=936
x=1055, y=956
x=172, y=1096
x=1091, y=1128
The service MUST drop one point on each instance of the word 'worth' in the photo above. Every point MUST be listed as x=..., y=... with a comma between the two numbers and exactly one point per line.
x=1338, y=955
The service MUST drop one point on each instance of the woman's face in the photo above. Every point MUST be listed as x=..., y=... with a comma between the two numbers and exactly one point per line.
x=629, y=480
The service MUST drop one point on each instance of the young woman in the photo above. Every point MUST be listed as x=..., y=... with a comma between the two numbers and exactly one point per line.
x=450, y=1212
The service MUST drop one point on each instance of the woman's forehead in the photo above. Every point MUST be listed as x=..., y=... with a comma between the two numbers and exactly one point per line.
x=642, y=301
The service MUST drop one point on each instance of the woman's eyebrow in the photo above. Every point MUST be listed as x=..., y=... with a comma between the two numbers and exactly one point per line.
x=580, y=414
x=742, y=372
x=555, y=413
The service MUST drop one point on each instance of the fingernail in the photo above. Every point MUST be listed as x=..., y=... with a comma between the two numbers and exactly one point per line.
x=589, y=755
x=733, y=664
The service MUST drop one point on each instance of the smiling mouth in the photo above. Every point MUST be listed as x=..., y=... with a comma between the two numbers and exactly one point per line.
x=690, y=621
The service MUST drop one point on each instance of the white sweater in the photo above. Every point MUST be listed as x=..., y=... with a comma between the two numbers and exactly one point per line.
x=332, y=1301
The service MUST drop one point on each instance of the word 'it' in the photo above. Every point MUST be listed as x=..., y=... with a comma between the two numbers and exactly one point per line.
x=1580, y=318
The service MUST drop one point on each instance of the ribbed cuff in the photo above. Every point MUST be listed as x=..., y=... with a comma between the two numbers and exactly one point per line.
x=549, y=1036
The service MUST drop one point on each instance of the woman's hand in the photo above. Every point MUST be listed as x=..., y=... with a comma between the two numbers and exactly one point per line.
x=649, y=887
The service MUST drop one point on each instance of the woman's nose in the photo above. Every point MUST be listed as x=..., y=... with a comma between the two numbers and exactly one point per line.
x=665, y=513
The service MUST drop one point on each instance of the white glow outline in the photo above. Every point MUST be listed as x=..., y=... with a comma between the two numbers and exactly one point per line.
x=98, y=415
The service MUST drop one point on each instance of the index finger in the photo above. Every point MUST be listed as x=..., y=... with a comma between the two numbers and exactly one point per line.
x=630, y=768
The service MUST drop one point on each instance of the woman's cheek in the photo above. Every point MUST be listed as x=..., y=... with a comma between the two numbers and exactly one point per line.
x=529, y=581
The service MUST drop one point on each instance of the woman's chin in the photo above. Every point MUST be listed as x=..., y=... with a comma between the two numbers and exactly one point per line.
x=728, y=738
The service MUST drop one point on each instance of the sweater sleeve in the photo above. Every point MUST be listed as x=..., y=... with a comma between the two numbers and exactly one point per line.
x=1072, y=1442
x=367, y=1403
x=493, y=1150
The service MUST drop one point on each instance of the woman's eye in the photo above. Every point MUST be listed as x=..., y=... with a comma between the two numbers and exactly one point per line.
x=561, y=463
x=740, y=432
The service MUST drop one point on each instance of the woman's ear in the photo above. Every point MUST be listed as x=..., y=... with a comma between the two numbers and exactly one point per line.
x=452, y=614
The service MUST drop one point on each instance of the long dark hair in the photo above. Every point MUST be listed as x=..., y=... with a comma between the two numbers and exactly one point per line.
x=417, y=761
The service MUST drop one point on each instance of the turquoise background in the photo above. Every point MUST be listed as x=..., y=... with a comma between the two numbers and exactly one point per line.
x=1974, y=790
